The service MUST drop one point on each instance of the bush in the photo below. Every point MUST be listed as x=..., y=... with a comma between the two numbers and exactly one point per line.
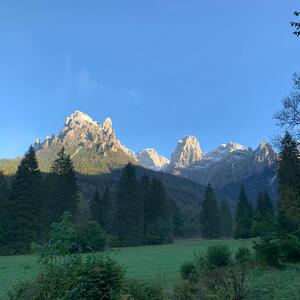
x=188, y=271
x=218, y=256
x=267, y=251
x=290, y=248
x=98, y=277
x=142, y=290
x=243, y=255
x=91, y=237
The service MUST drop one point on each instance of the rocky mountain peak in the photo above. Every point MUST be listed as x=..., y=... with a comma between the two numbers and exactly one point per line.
x=79, y=119
x=264, y=155
x=150, y=158
x=187, y=152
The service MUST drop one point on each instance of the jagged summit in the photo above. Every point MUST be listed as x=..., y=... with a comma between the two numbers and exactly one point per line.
x=150, y=158
x=187, y=152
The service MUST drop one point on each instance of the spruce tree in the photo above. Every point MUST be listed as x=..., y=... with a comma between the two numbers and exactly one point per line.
x=145, y=188
x=4, y=194
x=210, y=217
x=62, y=192
x=243, y=217
x=25, y=205
x=129, y=209
x=226, y=221
x=289, y=182
x=101, y=209
x=158, y=221
x=263, y=220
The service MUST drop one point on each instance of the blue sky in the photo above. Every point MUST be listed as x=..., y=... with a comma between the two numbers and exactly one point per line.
x=160, y=69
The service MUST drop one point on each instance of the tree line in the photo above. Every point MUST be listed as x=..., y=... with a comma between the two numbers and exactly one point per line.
x=134, y=213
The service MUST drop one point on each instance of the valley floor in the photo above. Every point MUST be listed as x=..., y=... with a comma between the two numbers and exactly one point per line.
x=162, y=262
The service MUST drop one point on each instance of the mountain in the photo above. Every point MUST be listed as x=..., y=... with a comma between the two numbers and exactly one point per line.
x=186, y=154
x=229, y=165
x=150, y=159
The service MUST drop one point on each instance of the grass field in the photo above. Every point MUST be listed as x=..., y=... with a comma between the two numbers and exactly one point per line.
x=152, y=261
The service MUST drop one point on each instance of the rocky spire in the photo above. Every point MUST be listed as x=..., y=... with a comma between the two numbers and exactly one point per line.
x=187, y=152
x=150, y=158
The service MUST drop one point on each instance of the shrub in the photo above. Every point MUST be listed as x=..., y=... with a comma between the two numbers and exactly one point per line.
x=188, y=270
x=290, y=248
x=91, y=237
x=267, y=251
x=243, y=255
x=218, y=256
x=98, y=277
x=144, y=290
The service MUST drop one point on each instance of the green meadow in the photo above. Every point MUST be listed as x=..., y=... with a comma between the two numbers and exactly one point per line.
x=162, y=262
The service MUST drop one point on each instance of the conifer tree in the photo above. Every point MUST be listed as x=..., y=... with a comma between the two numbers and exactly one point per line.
x=4, y=194
x=129, y=209
x=62, y=192
x=158, y=221
x=289, y=181
x=145, y=188
x=226, y=221
x=210, y=217
x=243, y=217
x=25, y=204
x=101, y=209
x=263, y=220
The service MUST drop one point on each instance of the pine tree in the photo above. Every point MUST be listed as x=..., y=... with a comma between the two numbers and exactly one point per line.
x=101, y=209
x=243, y=217
x=263, y=220
x=129, y=209
x=145, y=188
x=4, y=194
x=158, y=221
x=226, y=221
x=289, y=181
x=25, y=204
x=62, y=194
x=210, y=217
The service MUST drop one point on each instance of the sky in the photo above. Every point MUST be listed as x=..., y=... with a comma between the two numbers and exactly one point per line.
x=161, y=70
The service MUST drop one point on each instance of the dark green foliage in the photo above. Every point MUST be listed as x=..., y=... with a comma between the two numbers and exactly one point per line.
x=226, y=221
x=158, y=227
x=290, y=248
x=218, y=256
x=188, y=271
x=243, y=217
x=289, y=181
x=61, y=189
x=243, y=255
x=24, y=207
x=137, y=290
x=129, y=209
x=263, y=221
x=91, y=237
x=96, y=277
x=267, y=251
x=101, y=209
x=214, y=275
x=4, y=194
x=296, y=25
x=178, y=222
x=209, y=217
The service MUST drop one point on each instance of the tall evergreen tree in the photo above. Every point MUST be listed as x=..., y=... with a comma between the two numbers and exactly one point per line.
x=289, y=181
x=129, y=209
x=210, y=217
x=4, y=194
x=158, y=221
x=243, y=217
x=145, y=188
x=263, y=220
x=226, y=221
x=25, y=204
x=62, y=192
x=101, y=209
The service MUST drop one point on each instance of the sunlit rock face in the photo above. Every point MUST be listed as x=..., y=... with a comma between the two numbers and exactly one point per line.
x=228, y=163
x=150, y=159
x=187, y=152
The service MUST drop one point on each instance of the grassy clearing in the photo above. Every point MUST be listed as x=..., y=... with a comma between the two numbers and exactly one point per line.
x=163, y=261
